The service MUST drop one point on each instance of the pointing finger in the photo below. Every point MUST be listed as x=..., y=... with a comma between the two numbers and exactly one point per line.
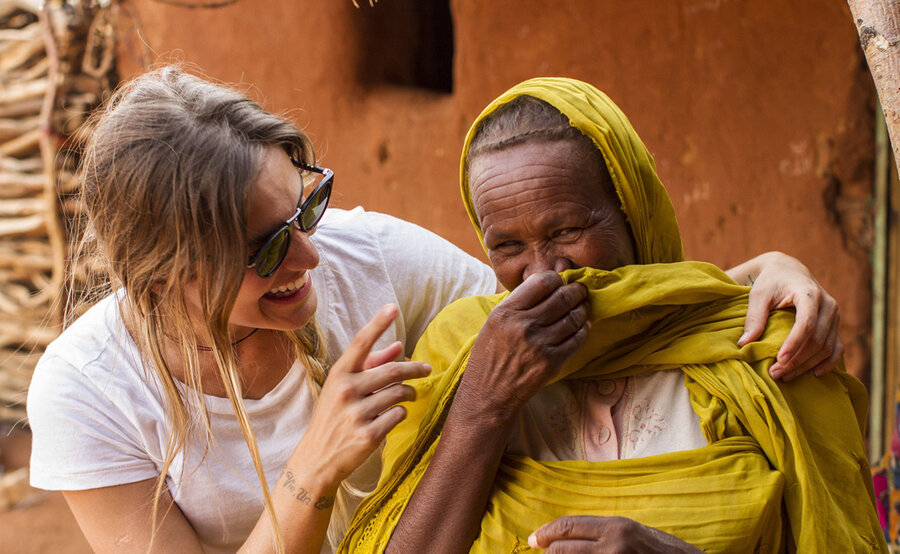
x=355, y=356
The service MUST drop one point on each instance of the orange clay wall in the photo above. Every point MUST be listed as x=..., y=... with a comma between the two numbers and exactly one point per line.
x=759, y=114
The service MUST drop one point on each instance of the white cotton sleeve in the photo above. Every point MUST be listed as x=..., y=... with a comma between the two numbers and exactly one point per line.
x=427, y=272
x=85, y=434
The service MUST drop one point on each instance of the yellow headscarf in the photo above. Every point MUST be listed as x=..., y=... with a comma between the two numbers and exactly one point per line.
x=778, y=452
x=644, y=199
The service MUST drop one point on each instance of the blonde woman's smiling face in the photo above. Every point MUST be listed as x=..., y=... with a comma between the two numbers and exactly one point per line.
x=286, y=300
x=548, y=206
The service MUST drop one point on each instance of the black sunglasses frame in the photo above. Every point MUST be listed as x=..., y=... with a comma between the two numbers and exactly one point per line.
x=323, y=187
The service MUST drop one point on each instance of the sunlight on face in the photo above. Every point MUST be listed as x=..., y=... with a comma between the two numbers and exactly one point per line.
x=287, y=299
x=548, y=206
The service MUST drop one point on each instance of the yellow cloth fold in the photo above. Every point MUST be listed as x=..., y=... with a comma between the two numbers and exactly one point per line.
x=785, y=464
x=796, y=445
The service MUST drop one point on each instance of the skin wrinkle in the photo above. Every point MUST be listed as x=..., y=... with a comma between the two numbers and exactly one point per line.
x=552, y=215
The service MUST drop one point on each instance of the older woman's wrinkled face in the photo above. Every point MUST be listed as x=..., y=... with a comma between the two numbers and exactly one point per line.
x=548, y=206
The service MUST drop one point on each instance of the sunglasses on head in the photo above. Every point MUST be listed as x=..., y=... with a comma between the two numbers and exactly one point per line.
x=268, y=258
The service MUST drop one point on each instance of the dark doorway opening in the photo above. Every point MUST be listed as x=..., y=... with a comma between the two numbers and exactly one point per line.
x=407, y=43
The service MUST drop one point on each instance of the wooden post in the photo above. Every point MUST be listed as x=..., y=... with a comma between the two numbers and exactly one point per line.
x=878, y=24
x=49, y=151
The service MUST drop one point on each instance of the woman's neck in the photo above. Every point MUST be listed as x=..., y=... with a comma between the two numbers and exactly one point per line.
x=262, y=360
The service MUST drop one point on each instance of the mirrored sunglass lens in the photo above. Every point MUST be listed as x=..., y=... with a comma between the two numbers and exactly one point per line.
x=272, y=253
x=315, y=208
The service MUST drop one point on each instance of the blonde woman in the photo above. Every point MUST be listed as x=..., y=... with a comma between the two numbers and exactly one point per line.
x=188, y=410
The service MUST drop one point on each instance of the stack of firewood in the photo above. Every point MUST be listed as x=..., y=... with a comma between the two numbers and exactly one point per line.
x=56, y=65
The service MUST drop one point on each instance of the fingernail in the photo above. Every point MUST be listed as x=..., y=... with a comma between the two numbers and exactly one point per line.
x=785, y=356
x=776, y=373
x=532, y=541
x=387, y=310
x=427, y=368
x=743, y=339
x=818, y=372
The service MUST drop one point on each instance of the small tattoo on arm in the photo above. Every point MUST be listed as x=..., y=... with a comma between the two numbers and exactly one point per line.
x=324, y=502
x=302, y=495
x=288, y=480
x=750, y=278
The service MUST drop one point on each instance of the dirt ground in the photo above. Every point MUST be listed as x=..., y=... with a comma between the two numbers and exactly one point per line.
x=41, y=523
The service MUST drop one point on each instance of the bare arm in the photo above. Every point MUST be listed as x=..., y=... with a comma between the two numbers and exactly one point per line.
x=778, y=281
x=117, y=519
x=523, y=344
x=446, y=509
x=356, y=409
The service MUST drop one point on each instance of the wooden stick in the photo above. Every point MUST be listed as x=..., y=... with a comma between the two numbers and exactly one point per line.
x=23, y=107
x=18, y=54
x=31, y=32
x=16, y=190
x=22, y=144
x=12, y=333
x=18, y=125
x=20, y=165
x=23, y=91
x=55, y=231
x=30, y=263
x=36, y=71
x=13, y=178
x=9, y=6
x=21, y=225
x=10, y=128
x=21, y=206
x=878, y=24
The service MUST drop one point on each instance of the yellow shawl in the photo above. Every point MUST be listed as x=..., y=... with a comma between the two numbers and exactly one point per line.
x=785, y=464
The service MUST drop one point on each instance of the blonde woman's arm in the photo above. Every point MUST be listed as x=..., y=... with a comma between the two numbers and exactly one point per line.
x=356, y=409
x=117, y=519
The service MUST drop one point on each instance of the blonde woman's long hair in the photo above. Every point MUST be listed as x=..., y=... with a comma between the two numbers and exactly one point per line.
x=165, y=178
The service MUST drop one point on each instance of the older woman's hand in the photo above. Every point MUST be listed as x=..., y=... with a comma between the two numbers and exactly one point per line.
x=578, y=534
x=778, y=281
x=525, y=342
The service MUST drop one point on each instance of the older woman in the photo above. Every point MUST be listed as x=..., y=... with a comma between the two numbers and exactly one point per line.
x=616, y=393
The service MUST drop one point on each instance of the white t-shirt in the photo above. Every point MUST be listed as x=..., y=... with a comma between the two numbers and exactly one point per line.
x=97, y=414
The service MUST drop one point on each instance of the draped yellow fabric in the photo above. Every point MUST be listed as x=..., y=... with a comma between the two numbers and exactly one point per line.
x=785, y=466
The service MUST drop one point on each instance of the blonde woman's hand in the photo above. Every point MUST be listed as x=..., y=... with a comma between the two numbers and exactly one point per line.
x=779, y=281
x=358, y=403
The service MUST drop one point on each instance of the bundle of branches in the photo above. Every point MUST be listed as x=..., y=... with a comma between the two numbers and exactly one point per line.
x=56, y=64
